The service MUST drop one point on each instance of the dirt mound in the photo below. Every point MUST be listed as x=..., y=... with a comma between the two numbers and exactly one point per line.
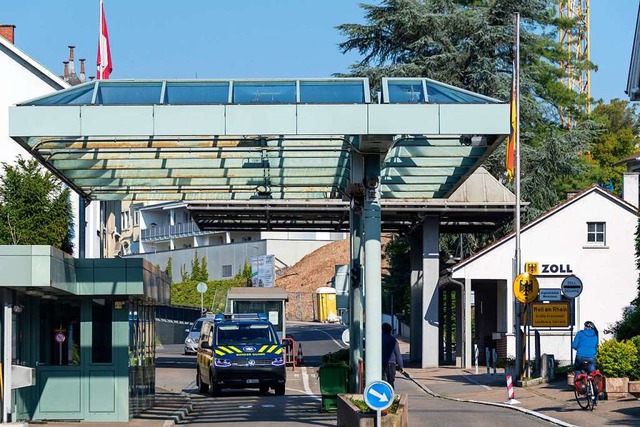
x=316, y=268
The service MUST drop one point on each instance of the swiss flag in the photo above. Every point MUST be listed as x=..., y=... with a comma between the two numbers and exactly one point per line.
x=105, y=66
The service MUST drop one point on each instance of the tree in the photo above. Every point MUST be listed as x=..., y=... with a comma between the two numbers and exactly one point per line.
x=34, y=206
x=468, y=43
x=396, y=284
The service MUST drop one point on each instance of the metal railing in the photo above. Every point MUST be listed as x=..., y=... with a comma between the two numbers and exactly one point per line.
x=172, y=231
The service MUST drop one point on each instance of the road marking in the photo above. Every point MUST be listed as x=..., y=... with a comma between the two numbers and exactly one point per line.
x=305, y=383
x=332, y=339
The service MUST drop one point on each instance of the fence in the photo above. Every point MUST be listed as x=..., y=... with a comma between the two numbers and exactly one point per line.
x=302, y=306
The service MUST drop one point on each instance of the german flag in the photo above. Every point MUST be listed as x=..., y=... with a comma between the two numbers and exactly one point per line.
x=511, y=145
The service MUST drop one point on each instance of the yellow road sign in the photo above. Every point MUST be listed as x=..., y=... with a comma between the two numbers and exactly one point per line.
x=531, y=267
x=553, y=314
x=525, y=288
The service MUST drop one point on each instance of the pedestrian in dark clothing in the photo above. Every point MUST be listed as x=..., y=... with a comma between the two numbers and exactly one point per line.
x=391, y=357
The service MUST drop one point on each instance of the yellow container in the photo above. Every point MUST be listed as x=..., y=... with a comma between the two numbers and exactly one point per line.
x=326, y=300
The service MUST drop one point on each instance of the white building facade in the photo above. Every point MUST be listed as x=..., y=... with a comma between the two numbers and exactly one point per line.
x=159, y=231
x=591, y=236
x=22, y=78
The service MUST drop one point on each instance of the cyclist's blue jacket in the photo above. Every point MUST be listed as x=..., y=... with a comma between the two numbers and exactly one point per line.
x=585, y=343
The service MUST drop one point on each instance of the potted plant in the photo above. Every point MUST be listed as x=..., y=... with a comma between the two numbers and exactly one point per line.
x=354, y=412
x=617, y=361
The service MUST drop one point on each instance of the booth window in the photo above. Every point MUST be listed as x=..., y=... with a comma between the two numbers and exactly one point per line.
x=59, y=332
x=101, y=331
x=596, y=233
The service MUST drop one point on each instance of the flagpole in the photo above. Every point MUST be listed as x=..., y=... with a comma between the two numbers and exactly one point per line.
x=518, y=261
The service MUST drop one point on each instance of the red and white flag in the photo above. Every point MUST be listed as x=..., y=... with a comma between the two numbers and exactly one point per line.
x=105, y=66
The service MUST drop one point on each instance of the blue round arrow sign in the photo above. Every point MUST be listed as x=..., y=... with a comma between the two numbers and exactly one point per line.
x=378, y=395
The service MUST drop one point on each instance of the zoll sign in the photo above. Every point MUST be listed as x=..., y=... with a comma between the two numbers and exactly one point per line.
x=571, y=287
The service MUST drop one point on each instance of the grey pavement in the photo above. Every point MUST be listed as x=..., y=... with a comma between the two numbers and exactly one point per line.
x=549, y=402
x=553, y=402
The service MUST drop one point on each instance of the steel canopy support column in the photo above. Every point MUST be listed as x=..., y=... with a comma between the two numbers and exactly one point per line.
x=355, y=277
x=372, y=269
x=430, y=274
x=82, y=227
x=7, y=317
x=415, y=339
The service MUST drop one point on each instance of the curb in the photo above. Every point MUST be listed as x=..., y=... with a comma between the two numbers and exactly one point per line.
x=500, y=405
x=181, y=413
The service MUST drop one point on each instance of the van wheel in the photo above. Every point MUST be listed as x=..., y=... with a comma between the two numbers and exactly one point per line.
x=215, y=389
x=202, y=387
x=279, y=390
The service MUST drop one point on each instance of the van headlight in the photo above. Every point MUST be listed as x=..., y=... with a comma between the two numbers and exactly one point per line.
x=278, y=361
x=189, y=340
x=222, y=363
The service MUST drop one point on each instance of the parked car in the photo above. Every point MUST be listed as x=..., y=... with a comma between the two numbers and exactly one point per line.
x=193, y=336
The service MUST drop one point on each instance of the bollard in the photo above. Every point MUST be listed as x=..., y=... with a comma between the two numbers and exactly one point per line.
x=475, y=350
x=494, y=357
x=511, y=394
x=487, y=355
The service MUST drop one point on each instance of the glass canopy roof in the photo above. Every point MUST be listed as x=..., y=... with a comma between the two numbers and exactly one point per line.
x=294, y=91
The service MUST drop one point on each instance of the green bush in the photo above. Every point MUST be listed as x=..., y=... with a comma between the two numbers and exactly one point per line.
x=340, y=356
x=635, y=375
x=617, y=359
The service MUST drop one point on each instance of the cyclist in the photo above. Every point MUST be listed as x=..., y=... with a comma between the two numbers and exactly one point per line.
x=586, y=344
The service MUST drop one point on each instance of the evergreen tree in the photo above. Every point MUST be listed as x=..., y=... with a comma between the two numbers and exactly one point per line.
x=468, y=43
x=35, y=208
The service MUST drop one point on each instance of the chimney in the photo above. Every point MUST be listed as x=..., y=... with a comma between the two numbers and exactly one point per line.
x=630, y=188
x=72, y=67
x=7, y=31
x=83, y=76
x=65, y=76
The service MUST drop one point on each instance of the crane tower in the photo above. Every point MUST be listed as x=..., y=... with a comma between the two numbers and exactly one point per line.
x=576, y=44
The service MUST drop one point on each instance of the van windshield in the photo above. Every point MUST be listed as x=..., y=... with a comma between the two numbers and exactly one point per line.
x=245, y=334
x=197, y=325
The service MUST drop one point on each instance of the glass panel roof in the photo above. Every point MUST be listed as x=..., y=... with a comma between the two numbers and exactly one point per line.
x=264, y=92
x=441, y=94
x=129, y=93
x=332, y=92
x=277, y=91
x=402, y=90
x=196, y=93
x=78, y=95
x=406, y=91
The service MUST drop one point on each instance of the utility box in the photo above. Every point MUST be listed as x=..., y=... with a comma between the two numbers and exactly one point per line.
x=327, y=308
x=548, y=367
x=22, y=376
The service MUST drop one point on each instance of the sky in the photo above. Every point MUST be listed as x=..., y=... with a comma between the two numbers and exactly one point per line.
x=249, y=38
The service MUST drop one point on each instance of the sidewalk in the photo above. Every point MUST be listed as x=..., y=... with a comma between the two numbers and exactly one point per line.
x=552, y=401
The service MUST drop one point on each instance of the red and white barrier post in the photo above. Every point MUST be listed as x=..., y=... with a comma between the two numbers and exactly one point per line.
x=511, y=392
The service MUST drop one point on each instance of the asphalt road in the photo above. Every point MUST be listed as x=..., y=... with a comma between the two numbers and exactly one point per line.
x=301, y=403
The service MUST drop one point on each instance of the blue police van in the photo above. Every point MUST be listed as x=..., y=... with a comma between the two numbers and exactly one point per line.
x=240, y=351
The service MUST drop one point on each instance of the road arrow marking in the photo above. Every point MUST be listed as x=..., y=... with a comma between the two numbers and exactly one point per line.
x=383, y=397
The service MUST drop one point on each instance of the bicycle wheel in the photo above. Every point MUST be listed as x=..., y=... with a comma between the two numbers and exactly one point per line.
x=582, y=399
x=591, y=395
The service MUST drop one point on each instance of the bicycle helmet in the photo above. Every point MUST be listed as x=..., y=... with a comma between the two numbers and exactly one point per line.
x=589, y=325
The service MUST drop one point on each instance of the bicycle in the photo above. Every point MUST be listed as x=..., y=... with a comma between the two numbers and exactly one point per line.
x=587, y=387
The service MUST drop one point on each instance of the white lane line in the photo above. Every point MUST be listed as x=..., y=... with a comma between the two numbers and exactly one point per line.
x=305, y=383
x=332, y=339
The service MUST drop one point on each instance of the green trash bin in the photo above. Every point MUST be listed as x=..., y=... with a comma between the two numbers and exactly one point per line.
x=334, y=379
